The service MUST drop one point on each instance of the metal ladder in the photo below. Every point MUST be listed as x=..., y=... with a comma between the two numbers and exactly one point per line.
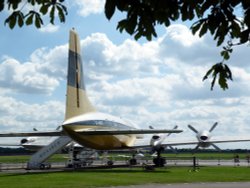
x=37, y=159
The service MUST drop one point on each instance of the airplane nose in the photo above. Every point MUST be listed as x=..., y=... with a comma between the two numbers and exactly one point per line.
x=203, y=138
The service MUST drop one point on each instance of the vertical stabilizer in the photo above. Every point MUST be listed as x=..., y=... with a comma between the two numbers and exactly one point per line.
x=77, y=102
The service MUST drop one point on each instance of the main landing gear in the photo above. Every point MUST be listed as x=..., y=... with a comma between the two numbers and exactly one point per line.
x=159, y=161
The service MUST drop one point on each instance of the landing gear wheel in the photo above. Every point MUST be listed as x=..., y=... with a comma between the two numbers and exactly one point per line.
x=42, y=166
x=159, y=161
x=132, y=161
x=48, y=166
x=110, y=163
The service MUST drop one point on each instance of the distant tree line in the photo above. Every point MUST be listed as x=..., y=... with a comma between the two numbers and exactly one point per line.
x=14, y=151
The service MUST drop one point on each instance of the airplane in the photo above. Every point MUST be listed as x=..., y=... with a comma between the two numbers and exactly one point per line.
x=83, y=123
x=32, y=143
x=204, y=139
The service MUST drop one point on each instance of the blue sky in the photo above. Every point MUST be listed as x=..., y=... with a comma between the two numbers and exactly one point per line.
x=155, y=83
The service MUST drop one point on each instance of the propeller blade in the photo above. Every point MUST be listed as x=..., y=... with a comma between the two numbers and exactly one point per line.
x=58, y=128
x=213, y=127
x=151, y=127
x=173, y=149
x=175, y=127
x=192, y=128
x=196, y=148
x=216, y=147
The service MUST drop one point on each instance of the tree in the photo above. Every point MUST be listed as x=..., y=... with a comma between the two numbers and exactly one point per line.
x=219, y=17
x=31, y=11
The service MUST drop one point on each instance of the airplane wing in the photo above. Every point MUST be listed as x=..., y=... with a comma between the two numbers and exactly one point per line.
x=8, y=144
x=210, y=141
x=182, y=143
x=92, y=132
x=30, y=134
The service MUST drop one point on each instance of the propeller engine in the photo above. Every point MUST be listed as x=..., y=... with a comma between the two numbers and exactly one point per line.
x=157, y=140
x=156, y=146
x=28, y=140
x=204, y=137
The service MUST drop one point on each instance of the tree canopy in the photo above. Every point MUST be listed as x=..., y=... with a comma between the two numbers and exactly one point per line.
x=227, y=21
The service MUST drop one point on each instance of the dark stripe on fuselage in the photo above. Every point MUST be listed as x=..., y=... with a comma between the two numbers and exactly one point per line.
x=75, y=71
x=102, y=123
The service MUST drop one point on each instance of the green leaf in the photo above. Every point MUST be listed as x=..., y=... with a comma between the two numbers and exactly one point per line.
x=12, y=19
x=196, y=26
x=52, y=15
x=208, y=73
x=131, y=24
x=121, y=4
x=12, y=22
x=1, y=5
x=110, y=8
x=122, y=25
x=29, y=19
x=244, y=36
x=223, y=82
x=64, y=9
x=60, y=14
x=20, y=19
x=225, y=55
x=44, y=9
x=224, y=74
x=13, y=4
x=247, y=17
x=203, y=30
x=38, y=21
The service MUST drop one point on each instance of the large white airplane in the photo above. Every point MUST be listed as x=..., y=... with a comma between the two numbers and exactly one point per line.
x=83, y=123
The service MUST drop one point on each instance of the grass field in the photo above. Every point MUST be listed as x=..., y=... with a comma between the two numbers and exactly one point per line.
x=128, y=176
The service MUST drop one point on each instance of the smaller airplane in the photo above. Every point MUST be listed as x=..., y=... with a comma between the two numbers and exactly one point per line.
x=204, y=139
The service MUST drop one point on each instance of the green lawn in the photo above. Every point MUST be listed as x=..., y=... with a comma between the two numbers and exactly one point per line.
x=115, y=177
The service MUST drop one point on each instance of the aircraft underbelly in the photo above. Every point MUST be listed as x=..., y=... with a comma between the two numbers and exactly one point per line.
x=102, y=142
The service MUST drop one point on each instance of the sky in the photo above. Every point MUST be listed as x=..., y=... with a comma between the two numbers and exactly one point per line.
x=157, y=83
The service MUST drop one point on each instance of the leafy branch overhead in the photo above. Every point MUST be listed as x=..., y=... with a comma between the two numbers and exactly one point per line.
x=38, y=8
x=218, y=17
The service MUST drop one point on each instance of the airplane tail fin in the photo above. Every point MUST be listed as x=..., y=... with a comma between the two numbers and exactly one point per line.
x=77, y=101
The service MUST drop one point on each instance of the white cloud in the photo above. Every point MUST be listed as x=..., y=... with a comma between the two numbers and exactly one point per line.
x=49, y=28
x=25, y=77
x=19, y=116
x=86, y=7
x=181, y=34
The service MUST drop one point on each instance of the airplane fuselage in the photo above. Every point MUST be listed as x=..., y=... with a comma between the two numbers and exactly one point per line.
x=99, y=121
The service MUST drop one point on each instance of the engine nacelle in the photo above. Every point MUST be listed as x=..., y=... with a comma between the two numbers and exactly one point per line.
x=27, y=140
x=156, y=142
